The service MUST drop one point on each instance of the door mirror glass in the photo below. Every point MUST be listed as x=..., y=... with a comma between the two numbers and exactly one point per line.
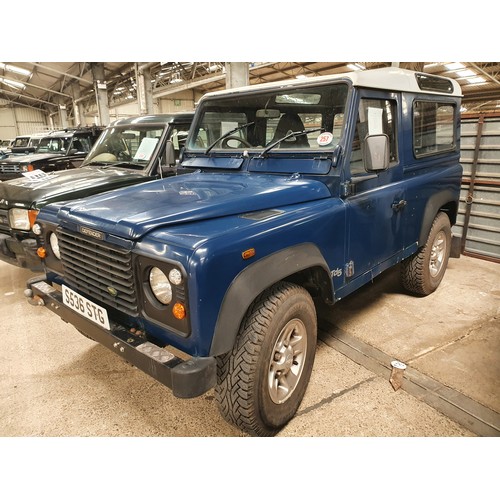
x=376, y=152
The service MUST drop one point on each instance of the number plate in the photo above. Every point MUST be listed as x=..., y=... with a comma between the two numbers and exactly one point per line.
x=85, y=307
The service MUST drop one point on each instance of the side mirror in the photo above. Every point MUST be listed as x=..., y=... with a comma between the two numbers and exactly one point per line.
x=73, y=151
x=170, y=160
x=376, y=152
x=170, y=154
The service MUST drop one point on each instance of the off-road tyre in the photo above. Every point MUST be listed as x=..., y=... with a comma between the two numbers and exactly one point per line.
x=248, y=390
x=422, y=273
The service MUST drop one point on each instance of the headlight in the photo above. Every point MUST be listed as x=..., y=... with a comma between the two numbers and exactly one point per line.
x=54, y=245
x=20, y=218
x=160, y=286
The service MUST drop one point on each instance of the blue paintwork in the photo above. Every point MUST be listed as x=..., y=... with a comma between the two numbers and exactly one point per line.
x=187, y=198
x=211, y=255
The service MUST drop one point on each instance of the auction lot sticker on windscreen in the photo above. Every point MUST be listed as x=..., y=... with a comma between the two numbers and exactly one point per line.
x=146, y=148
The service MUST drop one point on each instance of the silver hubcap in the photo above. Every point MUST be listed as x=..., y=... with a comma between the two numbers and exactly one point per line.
x=438, y=253
x=287, y=361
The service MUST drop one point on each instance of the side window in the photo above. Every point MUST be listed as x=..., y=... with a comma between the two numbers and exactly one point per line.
x=433, y=130
x=338, y=123
x=375, y=116
x=202, y=138
x=86, y=143
x=81, y=144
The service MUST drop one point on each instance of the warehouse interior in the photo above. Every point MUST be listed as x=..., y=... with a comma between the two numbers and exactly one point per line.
x=40, y=97
x=451, y=339
x=71, y=94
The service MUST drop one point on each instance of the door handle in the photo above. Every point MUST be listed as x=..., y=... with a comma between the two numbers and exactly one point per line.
x=397, y=206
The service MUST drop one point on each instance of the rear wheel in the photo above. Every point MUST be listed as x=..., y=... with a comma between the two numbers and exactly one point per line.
x=261, y=382
x=423, y=272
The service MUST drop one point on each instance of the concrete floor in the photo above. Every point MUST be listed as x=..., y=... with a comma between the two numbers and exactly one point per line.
x=55, y=382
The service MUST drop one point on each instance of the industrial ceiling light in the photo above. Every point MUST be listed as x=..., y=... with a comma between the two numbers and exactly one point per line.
x=465, y=73
x=176, y=78
x=15, y=69
x=454, y=66
x=476, y=80
x=213, y=68
x=12, y=83
x=356, y=66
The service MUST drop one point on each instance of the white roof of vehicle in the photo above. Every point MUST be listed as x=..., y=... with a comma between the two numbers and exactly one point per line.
x=392, y=78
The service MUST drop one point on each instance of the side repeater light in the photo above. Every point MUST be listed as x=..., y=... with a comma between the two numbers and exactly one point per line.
x=248, y=254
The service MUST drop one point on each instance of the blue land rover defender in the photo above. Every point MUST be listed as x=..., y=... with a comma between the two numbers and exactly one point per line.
x=298, y=192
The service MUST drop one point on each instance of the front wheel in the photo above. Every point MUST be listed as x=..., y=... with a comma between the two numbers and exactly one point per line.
x=422, y=272
x=261, y=382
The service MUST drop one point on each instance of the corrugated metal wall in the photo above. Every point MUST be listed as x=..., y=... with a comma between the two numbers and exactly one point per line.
x=479, y=212
x=30, y=121
x=8, y=129
x=19, y=121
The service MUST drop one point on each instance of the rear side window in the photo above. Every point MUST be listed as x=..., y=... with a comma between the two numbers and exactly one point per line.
x=81, y=144
x=433, y=127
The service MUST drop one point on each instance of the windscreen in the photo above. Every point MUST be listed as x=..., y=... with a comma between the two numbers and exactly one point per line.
x=20, y=142
x=132, y=145
x=301, y=119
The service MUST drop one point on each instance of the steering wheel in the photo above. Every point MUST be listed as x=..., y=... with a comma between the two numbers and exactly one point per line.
x=224, y=143
x=123, y=156
x=105, y=157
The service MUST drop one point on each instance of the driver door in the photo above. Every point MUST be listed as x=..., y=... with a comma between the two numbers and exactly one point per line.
x=376, y=200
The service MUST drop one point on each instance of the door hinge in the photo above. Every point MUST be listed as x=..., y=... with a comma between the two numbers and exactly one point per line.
x=349, y=269
x=346, y=188
x=399, y=205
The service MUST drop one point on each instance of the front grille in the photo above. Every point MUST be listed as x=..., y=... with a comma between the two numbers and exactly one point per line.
x=4, y=222
x=9, y=169
x=99, y=270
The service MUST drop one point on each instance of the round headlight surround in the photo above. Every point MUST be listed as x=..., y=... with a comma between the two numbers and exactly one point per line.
x=54, y=245
x=160, y=286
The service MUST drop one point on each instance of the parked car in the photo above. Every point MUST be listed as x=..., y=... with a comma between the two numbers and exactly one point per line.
x=303, y=192
x=26, y=144
x=129, y=151
x=58, y=150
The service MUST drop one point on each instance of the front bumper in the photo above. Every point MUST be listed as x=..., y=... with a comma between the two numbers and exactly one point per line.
x=186, y=378
x=20, y=253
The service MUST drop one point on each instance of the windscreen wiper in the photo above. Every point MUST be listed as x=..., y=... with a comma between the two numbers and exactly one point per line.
x=223, y=136
x=98, y=163
x=287, y=136
x=126, y=164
